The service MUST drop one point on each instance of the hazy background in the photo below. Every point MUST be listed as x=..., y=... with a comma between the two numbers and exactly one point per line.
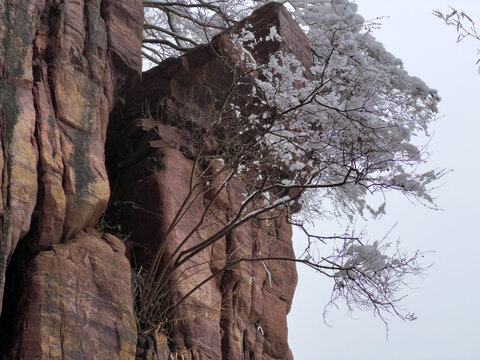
x=447, y=300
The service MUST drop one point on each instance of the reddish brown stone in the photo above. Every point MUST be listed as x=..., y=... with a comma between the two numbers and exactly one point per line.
x=241, y=313
x=153, y=347
x=18, y=151
x=244, y=309
x=79, y=302
x=196, y=84
x=64, y=65
x=62, y=69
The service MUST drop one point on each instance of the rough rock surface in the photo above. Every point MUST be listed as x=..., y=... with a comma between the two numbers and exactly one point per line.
x=64, y=67
x=197, y=81
x=240, y=313
x=77, y=305
x=243, y=310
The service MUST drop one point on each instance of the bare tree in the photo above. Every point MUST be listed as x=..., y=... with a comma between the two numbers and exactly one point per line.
x=364, y=274
x=333, y=133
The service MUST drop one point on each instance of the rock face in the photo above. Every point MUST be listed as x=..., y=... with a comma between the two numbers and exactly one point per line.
x=62, y=68
x=203, y=76
x=241, y=312
x=69, y=70
x=62, y=65
x=77, y=305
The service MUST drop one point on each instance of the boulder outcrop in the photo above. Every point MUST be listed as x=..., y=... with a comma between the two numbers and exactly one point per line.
x=194, y=84
x=63, y=65
x=68, y=71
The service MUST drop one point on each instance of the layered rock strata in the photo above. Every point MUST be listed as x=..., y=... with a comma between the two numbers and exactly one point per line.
x=63, y=65
x=67, y=290
x=78, y=302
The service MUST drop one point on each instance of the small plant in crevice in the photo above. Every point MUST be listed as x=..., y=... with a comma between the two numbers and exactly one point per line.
x=160, y=314
x=155, y=318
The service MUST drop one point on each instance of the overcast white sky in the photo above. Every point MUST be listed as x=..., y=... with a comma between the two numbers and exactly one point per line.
x=447, y=301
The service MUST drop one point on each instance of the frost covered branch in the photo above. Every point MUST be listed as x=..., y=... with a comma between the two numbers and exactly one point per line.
x=295, y=139
x=373, y=280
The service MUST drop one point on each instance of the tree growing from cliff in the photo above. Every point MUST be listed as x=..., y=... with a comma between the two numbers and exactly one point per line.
x=323, y=139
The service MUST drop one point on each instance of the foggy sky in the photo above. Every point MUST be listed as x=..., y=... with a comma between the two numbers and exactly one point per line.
x=447, y=300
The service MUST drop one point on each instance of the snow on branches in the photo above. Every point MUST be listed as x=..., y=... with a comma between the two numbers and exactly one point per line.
x=324, y=134
x=350, y=120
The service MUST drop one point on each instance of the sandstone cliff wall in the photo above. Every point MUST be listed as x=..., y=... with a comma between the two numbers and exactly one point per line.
x=63, y=66
x=69, y=71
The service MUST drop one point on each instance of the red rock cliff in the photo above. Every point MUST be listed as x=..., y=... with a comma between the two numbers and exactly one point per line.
x=67, y=289
x=63, y=65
